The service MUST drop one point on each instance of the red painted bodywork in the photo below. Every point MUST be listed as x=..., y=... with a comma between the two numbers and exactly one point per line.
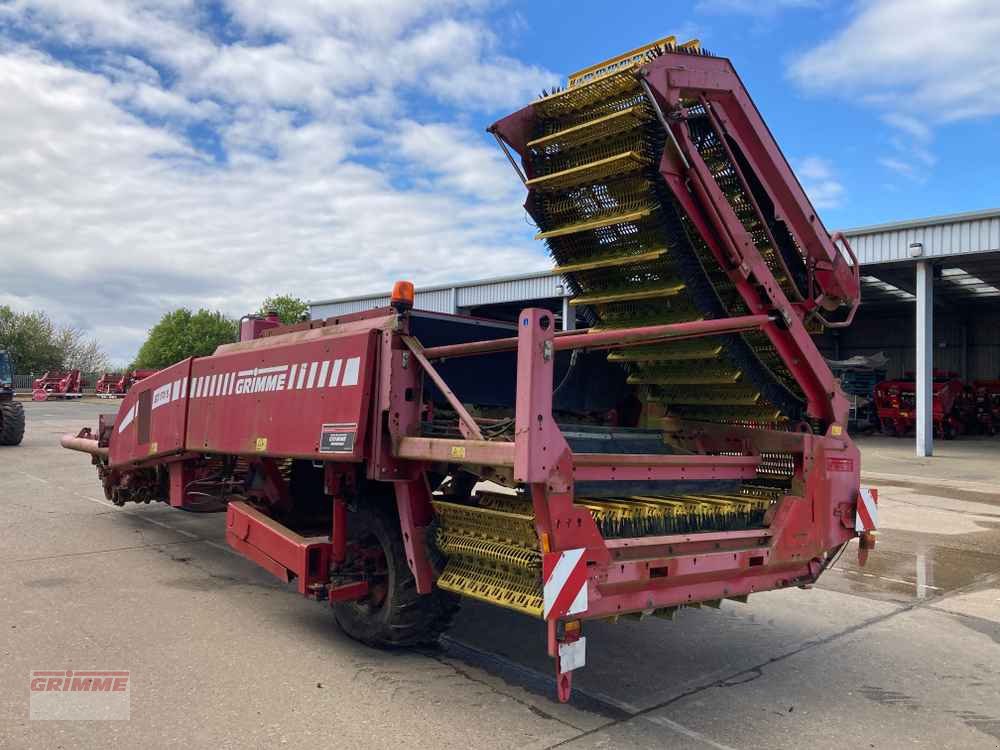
x=987, y=395
x=163, y=420
x=369, y=426
x=281, y=552
x=210, y=405
x=57, y=384
x=953, y=405
x=117, y=384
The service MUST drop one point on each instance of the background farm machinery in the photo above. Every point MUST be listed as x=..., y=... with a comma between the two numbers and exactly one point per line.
x=117, y=384
x=11, y=411
x=987, y=398
x=56, y=384
x=688, y=446
x=954, y=403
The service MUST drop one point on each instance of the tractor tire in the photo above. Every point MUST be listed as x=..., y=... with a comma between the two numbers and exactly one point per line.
x=11, y=423
x=393, y=615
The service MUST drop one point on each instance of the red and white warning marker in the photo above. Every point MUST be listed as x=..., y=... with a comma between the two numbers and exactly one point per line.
x=565, y=589
x=866, y=518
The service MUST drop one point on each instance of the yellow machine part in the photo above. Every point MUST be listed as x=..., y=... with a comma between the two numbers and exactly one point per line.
x=603, y=211
x=492, y=547
x=595, y=185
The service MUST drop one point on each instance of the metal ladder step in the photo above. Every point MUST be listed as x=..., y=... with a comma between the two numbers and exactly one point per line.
x=607, y=221
x=695, y=372
x=648, y=292
x=600, y=127
x=612, y=261
x=668, y=352
x=628, y=161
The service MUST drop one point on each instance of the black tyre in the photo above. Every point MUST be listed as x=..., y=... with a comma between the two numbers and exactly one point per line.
x=11, y=423
x=393, y=614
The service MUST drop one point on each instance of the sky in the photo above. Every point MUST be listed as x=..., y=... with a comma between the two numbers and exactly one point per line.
x=206, y=153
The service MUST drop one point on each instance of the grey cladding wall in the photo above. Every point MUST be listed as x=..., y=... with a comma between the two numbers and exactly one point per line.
x=957, y=237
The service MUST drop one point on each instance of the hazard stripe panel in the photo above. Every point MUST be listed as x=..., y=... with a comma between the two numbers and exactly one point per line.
x=866, y=518
x=565, y=589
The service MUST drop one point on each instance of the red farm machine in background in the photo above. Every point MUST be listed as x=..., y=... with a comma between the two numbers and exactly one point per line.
x=987, y=396
x=117, y=384
x=954, y=405
x=57, y=384
x=688, y=446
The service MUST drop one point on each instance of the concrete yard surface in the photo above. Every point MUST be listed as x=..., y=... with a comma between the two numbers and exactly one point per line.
x=902, y=653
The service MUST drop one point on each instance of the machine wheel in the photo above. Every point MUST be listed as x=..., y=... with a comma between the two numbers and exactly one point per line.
x=393, y=614
x=11, y=423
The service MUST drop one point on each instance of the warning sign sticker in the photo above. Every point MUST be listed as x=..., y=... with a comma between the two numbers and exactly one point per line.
x=337, y=438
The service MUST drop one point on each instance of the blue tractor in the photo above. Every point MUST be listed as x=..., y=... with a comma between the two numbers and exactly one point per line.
x=11, y=411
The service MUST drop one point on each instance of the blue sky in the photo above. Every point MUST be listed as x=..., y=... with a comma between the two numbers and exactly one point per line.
x=181, y=152
x=858, y=118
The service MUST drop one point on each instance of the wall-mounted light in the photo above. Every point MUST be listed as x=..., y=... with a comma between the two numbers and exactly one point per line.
x=559, y=290
x=916, y=249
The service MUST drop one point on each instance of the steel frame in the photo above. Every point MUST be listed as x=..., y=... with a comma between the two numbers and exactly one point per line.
x=623, y=576
x=802, y=531
x=653, y=573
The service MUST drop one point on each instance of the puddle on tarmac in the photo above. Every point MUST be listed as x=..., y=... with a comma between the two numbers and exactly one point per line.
x=902, y=576
x=929, y=544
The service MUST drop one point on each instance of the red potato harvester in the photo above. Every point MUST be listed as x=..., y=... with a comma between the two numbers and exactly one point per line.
x=953, y=404
x=987, y=395
x=117, y=384
x=56, y=384
x=687, y=447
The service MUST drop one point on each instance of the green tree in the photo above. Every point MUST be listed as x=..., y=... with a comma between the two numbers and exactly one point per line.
x=181, y=334
x=290, y=309
x=36, y=344
x=30, y=339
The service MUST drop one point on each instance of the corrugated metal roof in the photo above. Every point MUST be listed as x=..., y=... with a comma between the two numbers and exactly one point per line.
x=941, y=236
x=990, y=213
x=536, y=286
x=447, y=297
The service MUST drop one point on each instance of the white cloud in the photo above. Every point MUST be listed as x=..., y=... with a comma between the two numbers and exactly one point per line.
x=917, y=129
x=911, y=156
x=385, y=20
x=900, y=167
x=938, y=60
x=332, y=182
x=923, y=63
x=162, y=28
x=820, y=182
x=457, y=160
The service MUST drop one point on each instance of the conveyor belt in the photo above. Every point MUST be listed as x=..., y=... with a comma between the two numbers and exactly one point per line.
x=493, y=554
x=632, y=258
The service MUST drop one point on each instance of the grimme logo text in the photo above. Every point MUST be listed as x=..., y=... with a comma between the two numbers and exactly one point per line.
x=68, y=681
x=261, y=383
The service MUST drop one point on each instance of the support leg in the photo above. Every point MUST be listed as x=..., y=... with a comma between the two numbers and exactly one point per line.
x=568, y=315
x=564, y=683
x=925, y=359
